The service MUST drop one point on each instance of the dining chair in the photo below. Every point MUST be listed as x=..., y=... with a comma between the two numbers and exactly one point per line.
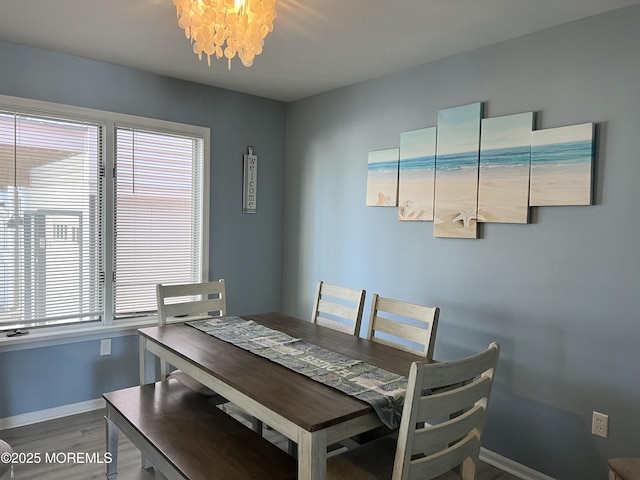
x=186, y=302
x=191, y=301
x=403, y=325
x=443, y=419
x=624, y=468
x=338, y=307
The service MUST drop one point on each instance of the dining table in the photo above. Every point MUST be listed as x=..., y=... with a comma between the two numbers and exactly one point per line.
x=306, y=411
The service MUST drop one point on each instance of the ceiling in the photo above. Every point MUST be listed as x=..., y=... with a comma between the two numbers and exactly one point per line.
x=316, y=45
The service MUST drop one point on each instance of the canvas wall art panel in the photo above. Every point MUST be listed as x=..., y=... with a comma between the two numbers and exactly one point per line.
x=457, y=163
x=505, y=158
x=417, y=174
x=562, y=165
x=382, y=178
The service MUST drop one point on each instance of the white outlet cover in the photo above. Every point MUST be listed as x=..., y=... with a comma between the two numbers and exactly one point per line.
x=600, y=425
x=105, y=346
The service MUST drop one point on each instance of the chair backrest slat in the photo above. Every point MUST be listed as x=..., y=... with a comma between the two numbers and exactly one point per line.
x=447, y=460
x=450, y=401
x=435, y=436
x=337, y=309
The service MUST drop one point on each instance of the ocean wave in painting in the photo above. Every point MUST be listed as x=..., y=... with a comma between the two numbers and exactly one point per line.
x=417, y=170
x=457, y=161
x=505, y=157
x=417, y=163
x=383, y=168
x=562, y=153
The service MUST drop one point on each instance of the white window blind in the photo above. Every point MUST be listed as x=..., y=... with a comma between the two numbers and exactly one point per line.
x=158, y=216
x=50, y=235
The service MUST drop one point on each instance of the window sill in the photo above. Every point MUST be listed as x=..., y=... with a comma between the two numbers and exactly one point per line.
x=59, y=336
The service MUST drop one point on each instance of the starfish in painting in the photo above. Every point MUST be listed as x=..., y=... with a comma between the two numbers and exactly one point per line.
x=466, y=216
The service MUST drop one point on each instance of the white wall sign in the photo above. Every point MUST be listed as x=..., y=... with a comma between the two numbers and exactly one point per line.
x=250, y=184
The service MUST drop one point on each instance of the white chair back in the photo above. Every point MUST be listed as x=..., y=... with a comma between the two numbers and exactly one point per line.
x=178, y=303
x=338, y=307
x=403, y=325
x=451, y=399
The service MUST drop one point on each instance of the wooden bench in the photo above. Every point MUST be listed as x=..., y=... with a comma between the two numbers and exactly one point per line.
x=185, y=437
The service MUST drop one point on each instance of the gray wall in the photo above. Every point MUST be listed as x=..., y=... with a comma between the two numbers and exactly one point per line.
x=246, y=250
x=560, y=294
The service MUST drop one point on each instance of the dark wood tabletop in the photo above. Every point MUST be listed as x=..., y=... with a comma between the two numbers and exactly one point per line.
x=309, y=404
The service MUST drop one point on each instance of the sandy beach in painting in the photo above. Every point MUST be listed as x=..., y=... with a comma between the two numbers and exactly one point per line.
x=381, y=194
x=415, y=199
x=503, y=195
x=561, y=184
x=455, y=197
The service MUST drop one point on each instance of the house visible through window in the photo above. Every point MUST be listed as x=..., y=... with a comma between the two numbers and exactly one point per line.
x=88, y=228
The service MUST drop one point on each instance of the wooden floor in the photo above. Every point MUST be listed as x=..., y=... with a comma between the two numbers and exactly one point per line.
x=83, y=435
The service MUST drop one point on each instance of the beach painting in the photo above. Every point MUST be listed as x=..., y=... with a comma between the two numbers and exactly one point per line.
x=417, y=174
x=457, y=164
x=382, y=178
x=562, y=165
x=505, y=158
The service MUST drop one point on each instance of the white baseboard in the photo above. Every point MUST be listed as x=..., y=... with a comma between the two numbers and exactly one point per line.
x=51, y=413
x=509, y=466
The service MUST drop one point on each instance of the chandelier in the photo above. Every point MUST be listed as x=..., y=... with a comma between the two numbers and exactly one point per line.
x=242, y=24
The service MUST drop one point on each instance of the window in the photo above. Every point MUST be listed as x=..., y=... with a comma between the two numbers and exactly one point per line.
x=95, y=210
x=157, y=232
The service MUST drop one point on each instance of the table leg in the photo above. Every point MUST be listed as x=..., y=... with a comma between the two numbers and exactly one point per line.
x=112, y=449
x=312, y=455
x=148, y=372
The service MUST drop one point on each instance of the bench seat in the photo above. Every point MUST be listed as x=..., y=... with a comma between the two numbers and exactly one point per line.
x=625, y=468
x=186, y=437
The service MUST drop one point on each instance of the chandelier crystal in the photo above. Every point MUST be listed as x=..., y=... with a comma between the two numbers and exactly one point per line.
x=241, y=24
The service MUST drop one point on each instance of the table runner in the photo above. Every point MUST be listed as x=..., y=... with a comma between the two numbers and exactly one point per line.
x=381, y=389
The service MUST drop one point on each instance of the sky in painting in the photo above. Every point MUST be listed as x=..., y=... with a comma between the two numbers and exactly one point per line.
x=507, y=131
x=418, y=143
x=570, y=133
x=381, y=156
x=459, y=128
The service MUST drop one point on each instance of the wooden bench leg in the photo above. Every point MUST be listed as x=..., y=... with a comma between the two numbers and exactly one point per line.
x=145, y=462
x=256, y=426
x=112, y=449
x=292, y=448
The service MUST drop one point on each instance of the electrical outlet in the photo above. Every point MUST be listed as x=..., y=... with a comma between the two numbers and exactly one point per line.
x=600, y=425
x=105, y=346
